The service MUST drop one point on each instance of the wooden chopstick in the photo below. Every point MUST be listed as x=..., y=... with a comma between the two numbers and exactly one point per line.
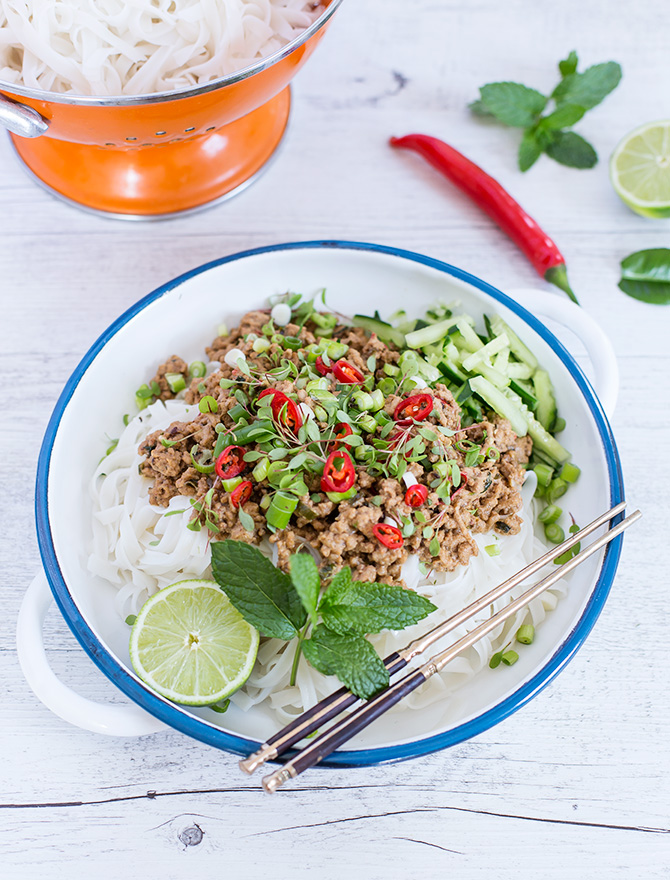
x=348, y=727
x=342, y=698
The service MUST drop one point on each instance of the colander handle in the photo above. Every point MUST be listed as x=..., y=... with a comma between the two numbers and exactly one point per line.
x=114, y=719
x=20, y=119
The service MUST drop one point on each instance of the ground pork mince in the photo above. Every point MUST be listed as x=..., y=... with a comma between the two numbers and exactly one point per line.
x=472, y=472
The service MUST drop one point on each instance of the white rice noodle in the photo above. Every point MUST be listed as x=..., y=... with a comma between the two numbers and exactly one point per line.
x=139, y=550
x=119, y=47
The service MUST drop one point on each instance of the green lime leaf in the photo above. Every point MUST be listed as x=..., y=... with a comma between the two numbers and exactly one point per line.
x=588, y=89
x=569, y=148
x=350, y=657
x=263, y=595
x=569, y=65
x=369, y=608
x=306, y=580
x=645, y=275
x=513, y=103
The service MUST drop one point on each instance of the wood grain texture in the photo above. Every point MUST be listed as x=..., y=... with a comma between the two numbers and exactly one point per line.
x=574, y=785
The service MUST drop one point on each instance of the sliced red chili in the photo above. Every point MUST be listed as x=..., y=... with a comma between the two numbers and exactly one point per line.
x=342, y=430
x=346, y=373
x=389, y=536
x=321, y=367
x=339, y=473
x=286, y=413
x=231, y=462
x=241, y=494
x=418, y=407
x=462, y=484
x=416, y=495
x=284, y=410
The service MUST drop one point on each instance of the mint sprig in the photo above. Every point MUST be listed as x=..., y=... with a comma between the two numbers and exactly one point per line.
x=518, y=106
x=329, y=624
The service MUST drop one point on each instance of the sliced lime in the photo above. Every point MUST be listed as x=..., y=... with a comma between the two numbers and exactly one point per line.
x=640, y=169
x=191, y=645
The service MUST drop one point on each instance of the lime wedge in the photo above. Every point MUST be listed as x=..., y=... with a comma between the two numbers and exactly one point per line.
x=191, y=645
x=640, y=169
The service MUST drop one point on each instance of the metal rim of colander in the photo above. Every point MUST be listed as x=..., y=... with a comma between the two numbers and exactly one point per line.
x=192, y=91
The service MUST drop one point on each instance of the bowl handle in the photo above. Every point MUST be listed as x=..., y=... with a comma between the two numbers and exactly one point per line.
x=588, y=331
x=114, y=720
x=20, y=119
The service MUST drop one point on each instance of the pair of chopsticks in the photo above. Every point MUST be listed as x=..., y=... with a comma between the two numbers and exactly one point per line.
x=351, y=724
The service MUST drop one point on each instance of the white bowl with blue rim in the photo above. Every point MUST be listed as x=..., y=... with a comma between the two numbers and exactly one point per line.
x=179, y=317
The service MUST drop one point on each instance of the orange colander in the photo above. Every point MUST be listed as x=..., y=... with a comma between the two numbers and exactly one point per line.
x=150, y=156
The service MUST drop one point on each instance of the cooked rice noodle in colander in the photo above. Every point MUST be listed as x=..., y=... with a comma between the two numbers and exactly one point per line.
x=136, y=47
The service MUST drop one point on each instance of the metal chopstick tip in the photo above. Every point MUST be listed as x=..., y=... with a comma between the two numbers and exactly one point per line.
x=253, y=762
x=275, y=780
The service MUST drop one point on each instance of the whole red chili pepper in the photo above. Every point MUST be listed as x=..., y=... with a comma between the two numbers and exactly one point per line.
x=389, y=536
x=339, y=473
x=241, y=494
x=497, y=203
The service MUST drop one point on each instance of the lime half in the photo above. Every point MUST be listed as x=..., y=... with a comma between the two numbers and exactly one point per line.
x=191, y=645
x=640, y=169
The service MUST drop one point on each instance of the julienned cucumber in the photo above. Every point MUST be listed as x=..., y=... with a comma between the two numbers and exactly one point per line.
x=544, y=441
x=545, y=411
x=384, y=331
x=505, y=407
x=516, y=346
x=431, y=333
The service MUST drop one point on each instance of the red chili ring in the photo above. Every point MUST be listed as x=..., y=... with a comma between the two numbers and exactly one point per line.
x=416, y=495
x=417, y=407
x=389, y=536
x=231, y=462
x=461, y=485
x=346, y=373
x=321, y=367
x=338, y=477
x=241, y=494
x=342, y=430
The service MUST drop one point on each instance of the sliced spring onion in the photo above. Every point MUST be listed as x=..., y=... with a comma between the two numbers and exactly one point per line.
x=556, y=489
x=554, y=533
x=229, y=485
x=197, y=369
x=544, y=473
x=176, y=382
x=570, y=472
x=550, y=514
x=280, y=510
x=526, y=634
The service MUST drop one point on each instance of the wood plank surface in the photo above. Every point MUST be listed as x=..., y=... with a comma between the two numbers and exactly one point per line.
x=577, y=783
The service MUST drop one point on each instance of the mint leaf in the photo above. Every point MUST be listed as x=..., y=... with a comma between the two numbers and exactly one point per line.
x=307, y=583
x=479, y=108
x=350, y=657
x=569, y=65
x=645, y=275
x=513, y=103
x=369, y=608
x=589, y=88
x=570, y=149
x=529, y=150
x=263, y=595
x=565, y=116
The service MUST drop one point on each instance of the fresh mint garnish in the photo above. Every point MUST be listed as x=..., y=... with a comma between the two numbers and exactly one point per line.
x=350, y=657
x=518, y=106
x=329, y=627
x=263, y=595
x=362, y=608
x=306, y=580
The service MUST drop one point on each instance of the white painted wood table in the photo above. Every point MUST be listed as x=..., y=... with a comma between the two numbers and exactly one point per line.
x=576, y=784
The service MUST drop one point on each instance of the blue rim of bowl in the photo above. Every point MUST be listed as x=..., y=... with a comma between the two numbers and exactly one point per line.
x=203, y=730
